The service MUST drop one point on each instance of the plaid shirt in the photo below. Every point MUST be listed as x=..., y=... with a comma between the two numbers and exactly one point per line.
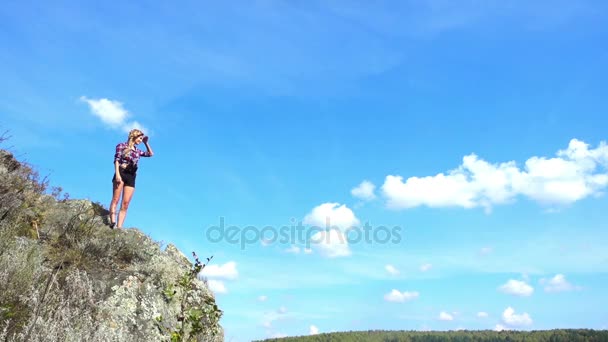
x=131, y=157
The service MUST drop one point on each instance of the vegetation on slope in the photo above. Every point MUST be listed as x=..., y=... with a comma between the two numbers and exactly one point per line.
x=559, y=335
x=65, y=276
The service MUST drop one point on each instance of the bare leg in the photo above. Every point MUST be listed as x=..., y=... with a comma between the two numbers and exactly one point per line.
x=117, y=190
x=126, y=199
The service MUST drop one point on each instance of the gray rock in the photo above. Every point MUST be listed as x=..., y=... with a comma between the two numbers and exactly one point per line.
x=81, y=281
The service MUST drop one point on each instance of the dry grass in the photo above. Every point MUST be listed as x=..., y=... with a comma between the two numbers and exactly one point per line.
x=67, y=277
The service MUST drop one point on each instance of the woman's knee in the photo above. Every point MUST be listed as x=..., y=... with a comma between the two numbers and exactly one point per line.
x=124, y=205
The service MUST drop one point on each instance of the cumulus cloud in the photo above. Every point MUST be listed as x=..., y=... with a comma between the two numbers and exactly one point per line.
x=272, y=316
x=225, y=271
x=335, y=220
x=127, y=127
x=517, y=288
x=500, y=327
x=112, y=113
x=482, y=314
x=575, y=173
x=558, y=284
x=391, y=270
x=217, y=286
x=298, y=250
x=485, y=251
x=313, y=330
x=216, y=273
x=329, y=215
x=510, y=318
x=444, y=316
x=331, y=243
x=364, y=191
x=400, y=297
x=425, y=267
x=293, y=250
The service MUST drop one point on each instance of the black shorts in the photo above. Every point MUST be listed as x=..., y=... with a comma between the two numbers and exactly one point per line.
x=128, y=177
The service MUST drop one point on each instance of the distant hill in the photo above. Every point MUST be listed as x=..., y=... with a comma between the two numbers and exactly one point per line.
x=559, y=335
x=66, y=276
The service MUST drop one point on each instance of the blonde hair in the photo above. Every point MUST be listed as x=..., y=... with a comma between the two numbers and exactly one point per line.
x=133, y=134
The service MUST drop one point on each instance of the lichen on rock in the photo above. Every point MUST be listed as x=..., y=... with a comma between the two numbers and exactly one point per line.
x=67, y=277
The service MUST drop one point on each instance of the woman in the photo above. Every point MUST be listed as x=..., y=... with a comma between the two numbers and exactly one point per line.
x=125, y=170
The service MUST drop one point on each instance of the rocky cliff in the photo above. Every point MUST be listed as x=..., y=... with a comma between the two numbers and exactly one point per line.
x=66, y=276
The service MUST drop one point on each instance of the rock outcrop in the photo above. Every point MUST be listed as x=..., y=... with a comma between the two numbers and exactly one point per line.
x=66, y=276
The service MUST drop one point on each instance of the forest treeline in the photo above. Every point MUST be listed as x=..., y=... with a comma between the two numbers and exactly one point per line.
x=559, y=335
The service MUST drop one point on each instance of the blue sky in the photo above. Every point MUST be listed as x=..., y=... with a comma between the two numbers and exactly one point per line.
x=475, y=127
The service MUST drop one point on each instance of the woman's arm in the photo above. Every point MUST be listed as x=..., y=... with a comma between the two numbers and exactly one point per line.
x=116, y=172
x=150, y=152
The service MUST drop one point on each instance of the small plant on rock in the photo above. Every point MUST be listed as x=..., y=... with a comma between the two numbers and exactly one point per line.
x=197, y=317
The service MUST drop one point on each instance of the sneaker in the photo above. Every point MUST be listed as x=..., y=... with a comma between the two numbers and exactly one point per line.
x=112, y=225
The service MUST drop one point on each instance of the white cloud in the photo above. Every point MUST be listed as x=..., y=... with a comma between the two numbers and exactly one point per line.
x=217, y=286
x=339, y=218
x=278, y=335
x=313, y=330
x=500, y=327
x=332, y=214
x=569, y=177
x=331, y=244
x=225, y=271
x=364, y=191
x=112, y=113
x=262, y=298
x=482, y=314
x=391, y=269
x=510, y=318
x=438, y=191
x=270, y=317
x=282, y=310
x=558, y=284
x=425, y=267
x=485, y=251
x=293, y=249
x=517, y=288
x=400, y=297
x=127, y=127
x=307, y=250
x=444, y=316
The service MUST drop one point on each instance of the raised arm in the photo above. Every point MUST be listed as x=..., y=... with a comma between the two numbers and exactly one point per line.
x=150, y=152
